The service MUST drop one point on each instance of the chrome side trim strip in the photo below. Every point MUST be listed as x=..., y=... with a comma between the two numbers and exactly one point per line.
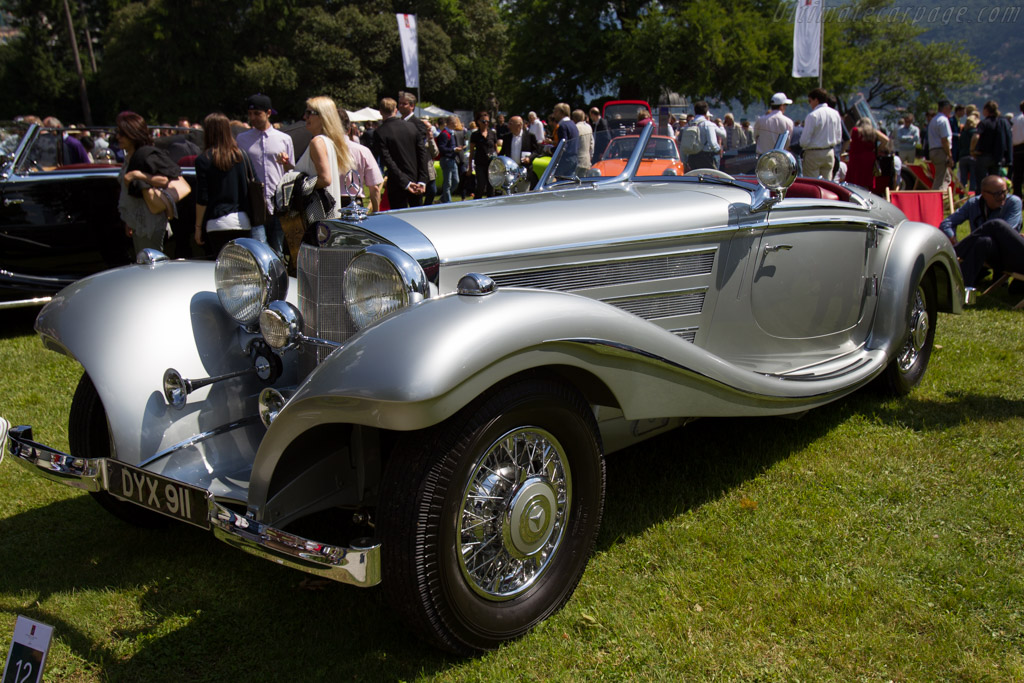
x=659, y=360
x=25, y=303
x=357, y=565
x=858, y=221
x=803, y=368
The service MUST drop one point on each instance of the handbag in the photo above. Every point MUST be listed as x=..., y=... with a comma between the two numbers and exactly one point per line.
x=165, y=199
x=257, y=208
x=286, y=191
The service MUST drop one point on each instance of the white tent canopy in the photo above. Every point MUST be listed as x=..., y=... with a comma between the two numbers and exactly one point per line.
x=434, y=111
x=365, y=114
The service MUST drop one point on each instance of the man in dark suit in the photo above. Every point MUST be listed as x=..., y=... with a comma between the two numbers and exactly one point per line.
x=407, y=110
x=521, y=146
x=396, y=144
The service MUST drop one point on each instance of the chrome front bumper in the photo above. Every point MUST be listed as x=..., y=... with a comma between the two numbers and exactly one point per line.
x=358, y=565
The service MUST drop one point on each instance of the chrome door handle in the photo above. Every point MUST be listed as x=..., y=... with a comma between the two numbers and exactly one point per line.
x=10, y=202
x=769, y=248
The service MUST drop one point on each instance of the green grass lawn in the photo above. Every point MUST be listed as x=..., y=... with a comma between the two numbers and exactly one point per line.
x=873, y=539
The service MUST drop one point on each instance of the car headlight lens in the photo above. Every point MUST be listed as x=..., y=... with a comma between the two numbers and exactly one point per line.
x=776, y=170
x=248, y=276
x=593, y=172
x=670, y=171
x=505, y=174
x=380, y=280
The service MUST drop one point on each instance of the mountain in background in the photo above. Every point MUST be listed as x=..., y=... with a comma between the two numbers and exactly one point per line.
x=994, y=35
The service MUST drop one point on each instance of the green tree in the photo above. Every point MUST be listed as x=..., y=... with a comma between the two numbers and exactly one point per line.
x=563, y=50
x=37, y=69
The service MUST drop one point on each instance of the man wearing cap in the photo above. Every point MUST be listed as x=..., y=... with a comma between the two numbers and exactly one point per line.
x=269, y=149
x=774, y=123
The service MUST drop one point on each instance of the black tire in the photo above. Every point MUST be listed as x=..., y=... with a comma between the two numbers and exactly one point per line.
x=907, y=368
x=539, y=521
x=89, y=437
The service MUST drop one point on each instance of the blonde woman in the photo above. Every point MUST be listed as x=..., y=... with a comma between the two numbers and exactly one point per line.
x=327, y=158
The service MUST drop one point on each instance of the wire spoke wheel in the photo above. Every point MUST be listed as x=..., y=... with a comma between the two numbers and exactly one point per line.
x=513, y=513
x=906, y=369
x=490, y=517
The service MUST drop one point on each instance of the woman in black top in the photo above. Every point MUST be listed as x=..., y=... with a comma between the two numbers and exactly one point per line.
x=221, y=190
x=483, y=145
x=145, y=167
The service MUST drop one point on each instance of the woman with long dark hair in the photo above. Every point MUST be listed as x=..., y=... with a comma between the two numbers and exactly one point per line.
x=221, y=190
x=145, y=168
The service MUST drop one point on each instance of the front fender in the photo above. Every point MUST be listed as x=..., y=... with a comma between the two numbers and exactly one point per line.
x=126, y=327
x=918, y=248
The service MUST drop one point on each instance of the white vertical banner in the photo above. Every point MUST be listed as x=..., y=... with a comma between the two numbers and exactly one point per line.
x=410, y=49
x=807, y=27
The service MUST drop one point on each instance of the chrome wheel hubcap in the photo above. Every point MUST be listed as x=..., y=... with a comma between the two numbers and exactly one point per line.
x=514, y=511
x=918, y=335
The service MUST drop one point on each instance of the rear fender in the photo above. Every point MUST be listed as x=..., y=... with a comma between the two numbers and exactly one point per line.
x=918, y=249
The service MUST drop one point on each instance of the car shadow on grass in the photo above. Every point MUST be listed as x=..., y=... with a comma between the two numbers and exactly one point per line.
x=698, y=463
x=18, y=322
x=176, y=604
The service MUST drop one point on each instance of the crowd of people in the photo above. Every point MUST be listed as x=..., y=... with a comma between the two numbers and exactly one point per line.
x=394, y=161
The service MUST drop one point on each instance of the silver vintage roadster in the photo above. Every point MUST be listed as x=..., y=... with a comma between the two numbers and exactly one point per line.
x=448, y=380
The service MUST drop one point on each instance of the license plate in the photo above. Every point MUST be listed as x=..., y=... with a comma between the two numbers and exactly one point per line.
x=167, y=496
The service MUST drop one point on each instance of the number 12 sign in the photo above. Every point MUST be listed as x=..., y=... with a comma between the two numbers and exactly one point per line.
x=28, y=652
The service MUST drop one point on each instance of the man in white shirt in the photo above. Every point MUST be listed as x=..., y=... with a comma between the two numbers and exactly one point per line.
x=940, y=146
x=1017, y=132
x=768, y=127
x=534, y=125
x=586, y=145
x=823, y=130
x=268, y=149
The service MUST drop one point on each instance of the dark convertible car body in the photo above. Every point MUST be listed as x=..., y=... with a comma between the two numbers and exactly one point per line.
x=58, y=220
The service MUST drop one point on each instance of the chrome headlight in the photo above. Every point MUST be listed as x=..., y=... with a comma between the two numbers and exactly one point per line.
x=379, y=280
x=280, y=324
x=593, y=172
x=776, y=170
x=249, y=276
x=670, y=171
x=506, y=175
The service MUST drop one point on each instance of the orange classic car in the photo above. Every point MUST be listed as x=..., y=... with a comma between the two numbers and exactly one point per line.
x=661, y=157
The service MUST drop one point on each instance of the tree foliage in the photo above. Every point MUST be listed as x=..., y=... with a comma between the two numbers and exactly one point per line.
x=167, y=58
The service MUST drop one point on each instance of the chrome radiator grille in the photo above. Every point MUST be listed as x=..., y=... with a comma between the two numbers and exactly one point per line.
x=320, y=274
x=611, y=273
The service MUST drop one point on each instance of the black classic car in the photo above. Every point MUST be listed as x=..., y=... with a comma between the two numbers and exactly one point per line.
x=59, y=219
